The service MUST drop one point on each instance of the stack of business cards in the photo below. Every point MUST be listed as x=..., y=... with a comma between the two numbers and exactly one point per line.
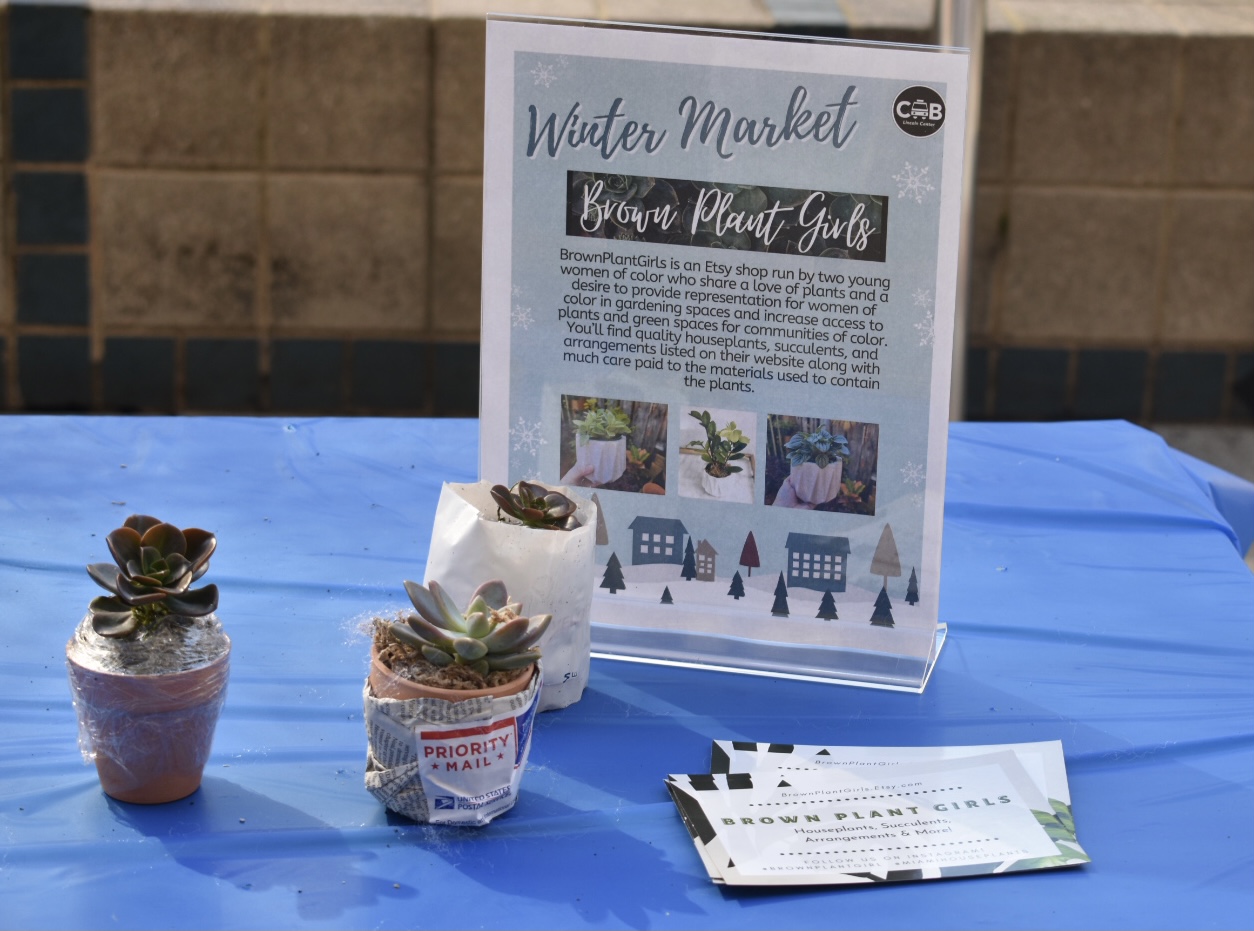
x=779, y=814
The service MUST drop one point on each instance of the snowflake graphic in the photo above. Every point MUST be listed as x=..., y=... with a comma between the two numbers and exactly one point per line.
x=913, y=474
x=913, y=182
x=527, y=437
x=927, y=329
x=544, y=75
x=521, y=317
x=921, y=297
x=515, y=291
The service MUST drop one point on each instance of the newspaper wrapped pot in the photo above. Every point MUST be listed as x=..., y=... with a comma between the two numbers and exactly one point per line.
x=548, y=571
x=149, y=735
x=447, y=757
x=607, y=459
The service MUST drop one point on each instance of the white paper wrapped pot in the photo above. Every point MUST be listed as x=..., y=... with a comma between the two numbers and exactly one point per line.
x=607, y=459
x=547, y=571
x=816, y=485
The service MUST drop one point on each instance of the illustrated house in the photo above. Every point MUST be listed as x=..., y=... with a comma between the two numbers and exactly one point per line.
x=657, y=539
x=706, y=556
x=817, y=561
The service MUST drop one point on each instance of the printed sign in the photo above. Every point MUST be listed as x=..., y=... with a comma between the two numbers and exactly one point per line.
x=718, y=295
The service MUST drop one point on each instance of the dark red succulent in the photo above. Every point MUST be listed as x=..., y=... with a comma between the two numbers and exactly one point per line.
x=156, y=563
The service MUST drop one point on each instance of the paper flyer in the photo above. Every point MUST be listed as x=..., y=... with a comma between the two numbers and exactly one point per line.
x=718, y=293
x=967, y=814
x=1043, y=760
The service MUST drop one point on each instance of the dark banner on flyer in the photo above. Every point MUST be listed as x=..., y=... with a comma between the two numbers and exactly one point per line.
x=743, y=217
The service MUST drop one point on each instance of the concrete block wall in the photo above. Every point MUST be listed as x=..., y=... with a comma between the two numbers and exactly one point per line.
x=273, y=206
x=1113, y=272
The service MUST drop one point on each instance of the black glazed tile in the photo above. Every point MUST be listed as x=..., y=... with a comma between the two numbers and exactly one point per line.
x=139, y=375
x=1243, y=388
x=53, y=289
x=389, y=376
x=976, y=384
x=1188, y=387
x=51, y=208
x=222, y=375
x=1110, y=383
x=305, y=375
x=49, y=124
x=456, y=379
x=1031, y=384
x=54, y=373
x=47, y=42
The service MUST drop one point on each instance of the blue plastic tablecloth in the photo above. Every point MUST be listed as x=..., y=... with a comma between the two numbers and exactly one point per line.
x=1095, y=593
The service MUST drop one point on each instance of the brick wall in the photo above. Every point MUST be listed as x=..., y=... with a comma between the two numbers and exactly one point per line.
x=227, y=210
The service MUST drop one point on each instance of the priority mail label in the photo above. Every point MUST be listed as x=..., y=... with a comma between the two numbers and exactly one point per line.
x=471, y=748
x=471, y=774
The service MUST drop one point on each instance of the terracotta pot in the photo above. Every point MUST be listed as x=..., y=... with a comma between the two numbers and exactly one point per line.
x=150, y=734
x=387, y=684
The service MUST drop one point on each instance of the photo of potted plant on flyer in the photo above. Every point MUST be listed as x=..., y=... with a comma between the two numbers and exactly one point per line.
x=601, y=444
x=541, y=542
x=816, y=460
x=824, y=464
x=720, y=449
x=148, y=664
x=449, y=705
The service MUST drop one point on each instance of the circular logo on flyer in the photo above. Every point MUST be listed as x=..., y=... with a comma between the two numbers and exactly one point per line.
x=919, y=111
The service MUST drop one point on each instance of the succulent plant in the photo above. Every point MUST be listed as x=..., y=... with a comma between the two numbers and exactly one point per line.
x=490, y=634
x=821, y=447
x=156, y=563
x=721, y=447
x=532, y=504
x=603, y=423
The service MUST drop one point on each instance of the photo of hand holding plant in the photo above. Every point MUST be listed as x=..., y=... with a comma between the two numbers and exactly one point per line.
x=614, y=444
x=822, y=465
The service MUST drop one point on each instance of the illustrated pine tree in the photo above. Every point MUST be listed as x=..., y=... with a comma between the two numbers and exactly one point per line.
x=749, y=555
x=886, y=562
x=613, y=578
x=666, y=596
x=883, y=614
x=737, y=589
x=603, y=533
x=827, y=607
x=912, y=589
x=780, y=607
x=689, y=571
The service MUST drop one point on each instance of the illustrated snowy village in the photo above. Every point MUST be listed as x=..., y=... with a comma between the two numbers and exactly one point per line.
x=810, y=600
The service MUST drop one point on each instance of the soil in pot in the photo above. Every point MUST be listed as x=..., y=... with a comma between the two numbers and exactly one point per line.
x=398, y=672
x=147, y=713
